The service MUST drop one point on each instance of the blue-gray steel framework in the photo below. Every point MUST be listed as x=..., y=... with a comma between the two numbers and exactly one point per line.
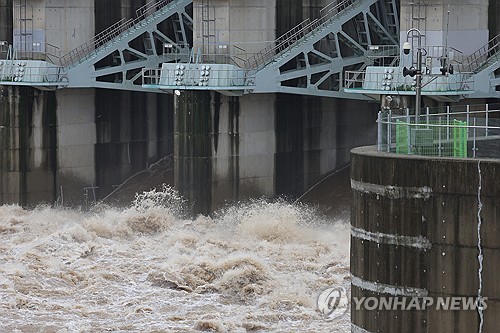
x=310, y=59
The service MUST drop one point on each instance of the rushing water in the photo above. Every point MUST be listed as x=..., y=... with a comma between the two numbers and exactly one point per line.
x=254, y=267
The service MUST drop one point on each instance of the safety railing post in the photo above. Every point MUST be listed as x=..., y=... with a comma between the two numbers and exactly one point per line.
x=468, y=119
x=487, y=118
x=389, y=128
x=408, y=131
x=474, y=148
x=440, y=146
x=448, y=122
x=379, y=133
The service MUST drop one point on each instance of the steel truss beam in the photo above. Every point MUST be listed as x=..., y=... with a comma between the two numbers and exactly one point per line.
x=162, y=36
x=315, y=65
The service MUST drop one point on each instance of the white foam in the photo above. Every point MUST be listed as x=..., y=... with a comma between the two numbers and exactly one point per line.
x=255, y=265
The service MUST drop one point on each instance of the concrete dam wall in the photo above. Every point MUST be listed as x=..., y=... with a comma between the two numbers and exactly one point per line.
x=60, y=146
x=425, y=228
x=263, y=144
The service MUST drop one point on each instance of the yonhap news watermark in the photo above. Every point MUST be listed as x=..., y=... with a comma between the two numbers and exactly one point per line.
x=405, y=303
x=334, y=302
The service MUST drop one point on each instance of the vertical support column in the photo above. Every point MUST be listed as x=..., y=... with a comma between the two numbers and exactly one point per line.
x=76, y=136
x=6, y=30
x=225, y=148
x=13, y=145
x=193, y=149
x=227, y=151
x=27, y=146
x=6, y=21
x=152, y=129
x=379, y=131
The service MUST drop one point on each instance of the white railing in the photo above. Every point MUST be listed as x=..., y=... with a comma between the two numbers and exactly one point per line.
x=86, y=50
x=392, y=80
x=225, y=53
x=481, y=57
x=383, y=55
x=20, y=71
x=299, y=32
x=37, y=51
x=451, y=54
x=151, y=76
x=461, y=131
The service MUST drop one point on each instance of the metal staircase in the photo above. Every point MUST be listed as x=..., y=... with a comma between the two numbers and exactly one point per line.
x=115, y=57
x=362, y=30
x=388, y=14
x=482, y=66
x=483, y=58
x=311, y=58
x=475, y=76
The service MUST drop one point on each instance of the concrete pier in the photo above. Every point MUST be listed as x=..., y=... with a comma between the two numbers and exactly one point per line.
x=224, y=148
x=28, y=146
x=70, y=144
x=415, y=224
x=262, y=144
x=234, y=148
x=193, y=149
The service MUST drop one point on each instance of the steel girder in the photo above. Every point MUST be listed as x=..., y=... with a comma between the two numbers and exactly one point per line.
x=162, y=36
x=315, y=64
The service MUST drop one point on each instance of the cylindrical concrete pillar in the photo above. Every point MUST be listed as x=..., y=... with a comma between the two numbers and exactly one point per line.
x=193, y=149
x=415, y=226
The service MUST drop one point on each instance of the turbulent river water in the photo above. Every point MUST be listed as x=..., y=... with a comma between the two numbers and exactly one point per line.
x=254, y=267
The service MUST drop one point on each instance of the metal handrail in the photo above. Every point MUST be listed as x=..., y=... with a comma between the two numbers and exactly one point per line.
x=439, y=51
x=361, y=80
x=20, y=71
x=84, y=51
x=290, y=38
x=384, y=55
x=37, y=51
x=480, y=57
x=443, y=133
